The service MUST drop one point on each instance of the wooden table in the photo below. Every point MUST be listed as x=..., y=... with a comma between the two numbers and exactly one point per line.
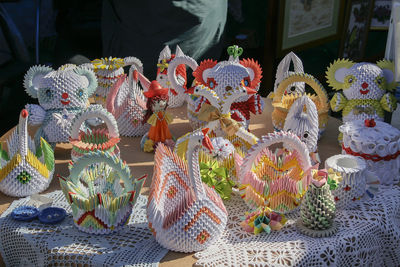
x=141, y=162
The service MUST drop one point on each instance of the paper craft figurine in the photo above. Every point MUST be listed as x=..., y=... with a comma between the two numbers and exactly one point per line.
x=108, y=71
x=156, y=115
x=282, y=102
x=304, y=124
x=355, y=180
x=277, y=182
x=222, y=78
x=365, y=89
x=283, y=71
x=176, y=96
x=317, y=210
x=96, y=139
x=263, y=219
x=184, y=214
x=128, y=104
x=100, y=205
x=378, y=143
x=27, y=168
x=62, y=93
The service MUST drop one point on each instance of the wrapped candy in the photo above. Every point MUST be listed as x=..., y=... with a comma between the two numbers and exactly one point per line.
x=100, y=205
x=184, y=214
x=27, y=168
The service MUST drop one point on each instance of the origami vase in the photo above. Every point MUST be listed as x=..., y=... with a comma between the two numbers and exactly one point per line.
x=282, y=102
x=278, y=182
x=26, y=169
x=378, y=143
x=353, y=184
x=317, y=211
x=100, y=205
x=184, y=214
x=97, y=139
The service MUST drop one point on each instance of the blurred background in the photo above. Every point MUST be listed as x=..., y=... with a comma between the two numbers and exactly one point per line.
x=55, y=32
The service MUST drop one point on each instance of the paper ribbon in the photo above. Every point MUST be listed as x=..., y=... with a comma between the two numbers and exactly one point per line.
x=210, y=113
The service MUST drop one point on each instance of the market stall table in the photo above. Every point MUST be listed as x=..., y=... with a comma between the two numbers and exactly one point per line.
x=141, y=162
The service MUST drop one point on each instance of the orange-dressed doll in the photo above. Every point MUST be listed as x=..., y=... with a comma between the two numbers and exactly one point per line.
x=157, y=117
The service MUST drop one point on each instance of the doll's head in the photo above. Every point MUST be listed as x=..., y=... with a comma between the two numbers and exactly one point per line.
x=67, y=87
x=361, y=80
x=157, y=98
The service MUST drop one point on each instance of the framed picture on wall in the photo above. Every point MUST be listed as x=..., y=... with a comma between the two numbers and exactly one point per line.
x=355, y=33
x=381, y=15
x=304, y=23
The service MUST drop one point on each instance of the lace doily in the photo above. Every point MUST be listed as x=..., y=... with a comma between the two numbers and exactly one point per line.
x=37, y=244
x=368, y=235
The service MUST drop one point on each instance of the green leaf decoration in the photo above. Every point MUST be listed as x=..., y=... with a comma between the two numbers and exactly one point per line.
x=3, y=153
x=39, y=152
x=48, y=154
x=217, y=178
x=333, y=184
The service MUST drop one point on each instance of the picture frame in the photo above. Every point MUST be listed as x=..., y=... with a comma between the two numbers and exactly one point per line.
x=306, y=23
x=355, y=32
x=381, y=15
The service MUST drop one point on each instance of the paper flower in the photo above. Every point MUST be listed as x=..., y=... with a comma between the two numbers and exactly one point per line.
x=217, y=178
x=263, y=219
x=108, y=63
x=64, y=118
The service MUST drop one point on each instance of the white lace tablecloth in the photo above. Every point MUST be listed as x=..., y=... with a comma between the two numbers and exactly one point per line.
x=369, y=235
x=37, y=244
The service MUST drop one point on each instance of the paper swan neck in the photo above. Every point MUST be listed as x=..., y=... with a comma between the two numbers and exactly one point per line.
x=23, y=132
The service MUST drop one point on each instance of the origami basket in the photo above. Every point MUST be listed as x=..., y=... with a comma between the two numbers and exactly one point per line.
x=97, y=139
x=100, y=205
x=378, y=143
x=26, y=169
x=282, y=102
x=108, y=71
x=128, y=104
x=283, y=71
x=184, y=214
x=278, y=182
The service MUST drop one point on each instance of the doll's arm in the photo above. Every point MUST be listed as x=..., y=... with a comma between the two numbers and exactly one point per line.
x=36, y=114
x=168, y=117
x=388, y=102
x=152, y=120
x=338, y=102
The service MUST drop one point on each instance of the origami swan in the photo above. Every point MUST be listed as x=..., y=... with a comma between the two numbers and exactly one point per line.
x=25, y=169
x=184, y=214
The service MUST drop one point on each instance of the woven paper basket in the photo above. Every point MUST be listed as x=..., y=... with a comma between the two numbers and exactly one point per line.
x=282, y=102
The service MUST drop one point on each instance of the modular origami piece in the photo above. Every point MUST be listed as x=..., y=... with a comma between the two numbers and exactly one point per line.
x=62, y=93
x=378, y=143
x=100, y=205
x=184, y=214
x=277, y=182
x=364, y=86
x=127, y=103
x=283, y=71
x=282, y=102
x=304, y=124
x=26, y=169
x=108, y=71
x=97, y=139
x=352, y=183
x=317, y=210
x=222, y=78
x=176, y=96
